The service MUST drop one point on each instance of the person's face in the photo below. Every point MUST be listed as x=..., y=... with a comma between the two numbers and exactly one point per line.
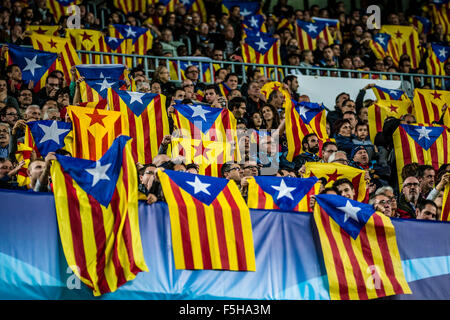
x=328, y=54
x=180, y=94
x=25, y=97
x=164, y=74
x=33, y=114
x=341, y=99
x=351, y=118
x=405, y=67
x=188, y=86
x=233, y=94
x=346, y=130
x=383, y=204
x=63, y=99
x=54, y=115
x=232, y=82
x=242, y=109
x=35, y=169
x=52, y=84
x=234, y=173
x=347, y=191
x=411, y=189
x=438, y=201
x=156, y=88
x=393, y=199
x=267, y=113
x=294, y=85
x=428, y=213
x=361, y=157
x=328, y=151
x=341, y=158
x=166, y=36
x=159, y=11
x=427, y=181
x=222, y=74
x=361, y=132
x=364, y=115
x=16, y=74
x=278, y=100
x=253, y=89
x=3, y=86
x=218, y=55
x=11, y=116
x=192, y=73
x=257, y=120
x=294, y=61
x=250, y=169
x=210, y=95
x=313, y=144
x=349, y=106
x=5, y=167
x=409, y=119
x=357, y=62
x=379, y=65
x=4, y=135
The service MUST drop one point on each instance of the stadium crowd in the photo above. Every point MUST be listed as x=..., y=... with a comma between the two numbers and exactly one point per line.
x=180, y=33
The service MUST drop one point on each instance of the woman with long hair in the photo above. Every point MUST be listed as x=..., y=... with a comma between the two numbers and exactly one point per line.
x=270, y=116
x=161, y=75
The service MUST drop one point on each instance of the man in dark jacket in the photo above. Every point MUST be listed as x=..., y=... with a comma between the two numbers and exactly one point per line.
x=310, y=145
x=409, y=198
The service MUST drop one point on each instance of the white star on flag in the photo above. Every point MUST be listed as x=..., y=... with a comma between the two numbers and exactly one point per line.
x=136, y=96
x=442, y=52
x=350, y=211
x=284, y=190
x=261, y=44
x=199, y=112
x=394, y=92
x=312, y=28
x=253, y=22
x=380, y=39
x=105, y=84
x=31, y=65
x=130, y=31
x=185, y=2
x=245, y=13
x=302, y=111
x=199, y=186
x=111, y=39
x=423, y=133
x=99, y=172
x=52, y=132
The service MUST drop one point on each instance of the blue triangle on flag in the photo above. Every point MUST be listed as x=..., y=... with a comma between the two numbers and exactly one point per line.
x=33, y=63
x=130, y=32
x=100, y=71
x=247, y=8
x=136, y=101
x=113, y=43
x=393, y=93
x=256, y=33
x=254, y=21
x=261, y=44
x=286, y=192
x=423, y=135
x=383, y=40
x=313, y=29
x=201, y=115
x=307, y=110
x=48, y=135
x=203, y=188
x=102, y=85
x=441, y=52
x=97, y=178
x=349, y=214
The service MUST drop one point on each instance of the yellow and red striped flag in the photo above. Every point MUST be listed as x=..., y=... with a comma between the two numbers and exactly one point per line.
x=208, y=155
x=271, y=86
x=139, y=39
x=58, y=8
x=439, y=13
x=44, y=30
x=383, y=46
x=261, y=50
x=389, y=94
x=336, y=171
x=210, y=222
x=359, y=248
x=438, y=57
x=302, y=119
x=94, y=131
x=131, y=6
x=379, y=111
x=203, y=122
x=23, y=153
x=427, y=104
x=68, y=55
x=405, y=40
x=281, y=193
x=307, y=34
x=97, y=210
x=445, y=213
x=144, y=118
x=87, y=40
x=422, y=144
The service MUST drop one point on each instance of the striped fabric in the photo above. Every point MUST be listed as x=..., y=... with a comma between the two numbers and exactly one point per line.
x=58, y=8
x=23, y=153
x=210, y=222
x=307, y=34
x=405, y=40
x=427, y=104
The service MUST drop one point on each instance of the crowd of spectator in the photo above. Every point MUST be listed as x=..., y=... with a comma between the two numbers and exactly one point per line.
x=180, y=33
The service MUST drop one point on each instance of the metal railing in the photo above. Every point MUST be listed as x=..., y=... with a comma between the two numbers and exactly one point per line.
x=275, y=72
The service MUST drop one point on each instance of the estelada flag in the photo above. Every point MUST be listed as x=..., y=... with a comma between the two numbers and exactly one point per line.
x=94, y=131
x=203, y=122
x=210, y=222
x=69, y=56
x=131, y=6
x=139, y=39
x=382, y=46
x=389, y=94
x=88, y=40
x=438, y=57
x=445, y=213
x=335, y=171
x=359, y=248
x=145, y=119
x=48, y=135
x=423, y=144
x=35, y=65
x=58, y=8
x=405, y=40
x=97, y=210
x=438, y=11
x=379, y=111
x=261, y=50
x=427, y=105
x=23, y=153
x=302, y=119
x=281, y=193
x=307, y=34
x=255, y=22
x=247, y=8
x=208, y=155
x=45, y=30
x=271, y=86
x=98, y=78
